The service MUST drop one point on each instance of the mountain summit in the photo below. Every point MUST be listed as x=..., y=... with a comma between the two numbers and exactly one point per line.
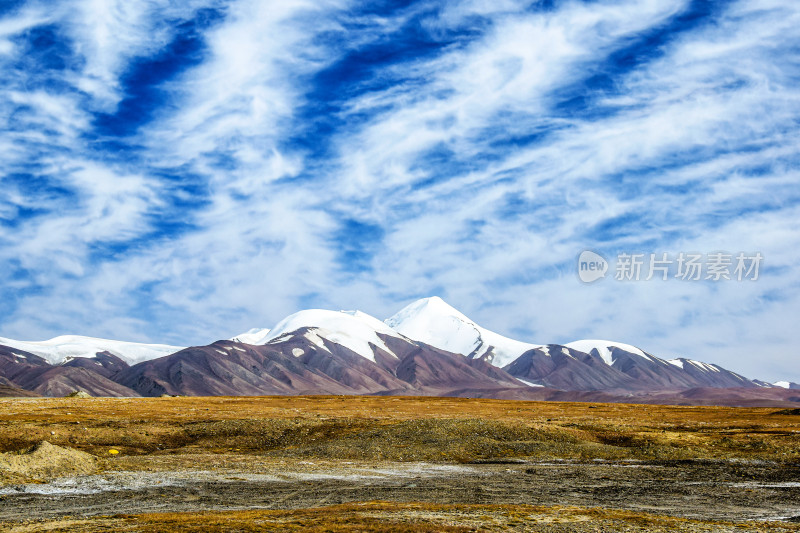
x=433, y=321
x=62, y=349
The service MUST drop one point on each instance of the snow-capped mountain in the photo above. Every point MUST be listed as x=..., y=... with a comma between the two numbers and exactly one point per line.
x=434, y=322
x=427, y=348
x=357, y=331
x=306, y=364
x=29, y=372
x=567, y=369
x=604, y=349
x=579, y=365
x=66, y=347
x=787, y=385
x=641, y=370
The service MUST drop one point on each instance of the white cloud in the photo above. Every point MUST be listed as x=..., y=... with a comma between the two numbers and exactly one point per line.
x=109, y=34
x=696, y=146
x=715, y=88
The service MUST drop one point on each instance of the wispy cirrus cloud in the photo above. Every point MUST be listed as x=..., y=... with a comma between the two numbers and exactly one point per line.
x=189, y=170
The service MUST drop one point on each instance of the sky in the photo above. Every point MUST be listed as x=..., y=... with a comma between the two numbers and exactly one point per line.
x=181, y=172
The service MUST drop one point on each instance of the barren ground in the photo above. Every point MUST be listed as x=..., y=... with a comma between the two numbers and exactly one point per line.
x=414, y=464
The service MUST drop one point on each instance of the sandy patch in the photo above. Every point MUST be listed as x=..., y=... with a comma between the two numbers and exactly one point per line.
x=45, y=461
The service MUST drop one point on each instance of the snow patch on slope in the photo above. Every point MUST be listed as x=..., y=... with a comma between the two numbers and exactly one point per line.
x=312, y=336
x=434, y=322
x=546, y=351
x=61, y=349
x=529, y=383
x=704, y=366
x=604, y=349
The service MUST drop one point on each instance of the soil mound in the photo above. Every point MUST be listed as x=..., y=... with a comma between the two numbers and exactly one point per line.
x=78, y=394
x=45, y=461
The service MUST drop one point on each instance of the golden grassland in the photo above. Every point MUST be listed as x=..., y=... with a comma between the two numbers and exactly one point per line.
x=399, y=428
x=154, y=434
x=388, y=516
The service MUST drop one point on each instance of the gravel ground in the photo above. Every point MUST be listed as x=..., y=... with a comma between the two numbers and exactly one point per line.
x=707, y=490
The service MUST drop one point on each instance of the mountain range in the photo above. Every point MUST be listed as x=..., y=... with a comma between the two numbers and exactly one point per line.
x=428, y=348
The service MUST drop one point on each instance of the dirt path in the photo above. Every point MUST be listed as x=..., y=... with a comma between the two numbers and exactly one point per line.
x=731, y=491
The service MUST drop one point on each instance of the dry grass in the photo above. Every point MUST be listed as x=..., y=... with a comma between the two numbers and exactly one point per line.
x=242, y=433
x=399, y=428
x=385, y=516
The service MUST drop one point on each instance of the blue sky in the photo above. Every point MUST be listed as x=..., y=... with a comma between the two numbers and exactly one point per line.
x=180, y=172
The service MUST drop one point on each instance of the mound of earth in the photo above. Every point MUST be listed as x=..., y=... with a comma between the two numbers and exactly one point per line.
x=45, y=461
x=78, y=394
